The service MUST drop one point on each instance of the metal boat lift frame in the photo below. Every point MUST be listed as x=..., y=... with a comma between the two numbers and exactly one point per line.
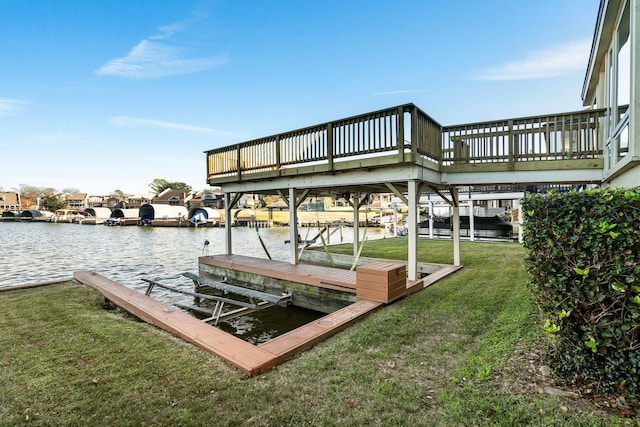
x=257, y=300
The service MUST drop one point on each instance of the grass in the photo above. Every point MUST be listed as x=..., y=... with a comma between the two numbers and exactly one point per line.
x=448, y=355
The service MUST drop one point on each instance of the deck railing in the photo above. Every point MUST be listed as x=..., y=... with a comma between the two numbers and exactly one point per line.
x=565, y=136
x=406, y=134
x=390, y=131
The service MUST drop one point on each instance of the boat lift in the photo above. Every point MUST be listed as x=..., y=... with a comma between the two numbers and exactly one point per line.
x=257, y=300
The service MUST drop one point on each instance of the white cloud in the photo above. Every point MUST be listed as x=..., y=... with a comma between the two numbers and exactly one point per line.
x=10, y=106
x=133, y=121
x=157, y=56
x=167, y=31
x=554, y=62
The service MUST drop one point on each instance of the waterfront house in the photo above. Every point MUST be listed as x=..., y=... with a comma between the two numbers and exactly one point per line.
x=77, y=201
x=9, y=201
x=136, y=200
x=96, y=201
x=173, y=197
x=114, y=202
x=206, y=198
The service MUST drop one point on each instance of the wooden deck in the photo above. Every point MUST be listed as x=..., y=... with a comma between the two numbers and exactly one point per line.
x=323, y=277
x=404, y=143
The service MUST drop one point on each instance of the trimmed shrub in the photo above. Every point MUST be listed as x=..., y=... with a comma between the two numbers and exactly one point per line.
x=584, y=260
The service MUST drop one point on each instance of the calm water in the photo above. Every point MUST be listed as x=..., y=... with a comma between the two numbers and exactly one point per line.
x=38, y=252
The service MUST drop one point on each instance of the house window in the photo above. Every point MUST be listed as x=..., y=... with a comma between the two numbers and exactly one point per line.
x=619, y=90
x=623, y=77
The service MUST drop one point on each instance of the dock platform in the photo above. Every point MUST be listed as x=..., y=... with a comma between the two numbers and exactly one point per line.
x=251, y=359
x=255, y=359
x=315, y=275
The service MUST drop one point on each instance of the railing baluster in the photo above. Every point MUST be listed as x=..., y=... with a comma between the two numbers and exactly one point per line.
x=400, y=133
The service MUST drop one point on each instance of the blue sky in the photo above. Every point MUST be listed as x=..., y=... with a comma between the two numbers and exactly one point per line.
x=104, y=95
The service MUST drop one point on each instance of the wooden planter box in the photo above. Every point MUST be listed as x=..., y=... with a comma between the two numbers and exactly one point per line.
x=383, y=281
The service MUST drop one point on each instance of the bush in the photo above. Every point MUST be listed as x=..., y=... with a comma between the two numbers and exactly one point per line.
x=583, y=258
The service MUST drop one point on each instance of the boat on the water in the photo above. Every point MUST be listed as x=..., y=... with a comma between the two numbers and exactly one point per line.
x=67, y=215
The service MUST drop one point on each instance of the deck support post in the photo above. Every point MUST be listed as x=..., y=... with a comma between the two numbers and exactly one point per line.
x=520, y=221
x=456, y=226
x=472, y=226
x=412, y=233
x=430, y=219
x=356, y=224
x=227, y=224
x=293, y=226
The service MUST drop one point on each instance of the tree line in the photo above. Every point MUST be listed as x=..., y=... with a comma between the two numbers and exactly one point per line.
x=51, y=199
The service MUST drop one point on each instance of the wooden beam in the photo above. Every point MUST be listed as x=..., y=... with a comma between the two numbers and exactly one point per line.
x=302, y=198
x=412, y=235
x=397, y=192
x=284, y=196
x=439, y=193
x=234, y=201
x=363, y=199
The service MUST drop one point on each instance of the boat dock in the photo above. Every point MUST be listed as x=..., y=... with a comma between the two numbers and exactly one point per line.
x=250, y=358
x=383, y=278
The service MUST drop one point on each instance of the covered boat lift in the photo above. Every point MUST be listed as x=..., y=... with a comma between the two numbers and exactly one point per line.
x=203, y=216
x=99, y=212
x=123, y=217
x=36, y=215
x=97, y=215
x=11, y=215
x=158, y=214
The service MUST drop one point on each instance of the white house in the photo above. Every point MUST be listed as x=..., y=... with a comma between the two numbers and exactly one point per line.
x=611, y=82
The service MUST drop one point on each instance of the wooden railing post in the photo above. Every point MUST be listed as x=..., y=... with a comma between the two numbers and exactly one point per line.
x=414, y=134
x=400, y=133
x=239, y=163
x=278, y=160
x=512, y=145
x=330, y=145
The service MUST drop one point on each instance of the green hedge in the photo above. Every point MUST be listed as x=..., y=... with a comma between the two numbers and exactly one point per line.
x=584, y=260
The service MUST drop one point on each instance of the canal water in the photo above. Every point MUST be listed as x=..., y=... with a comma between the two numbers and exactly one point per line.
x=34, y=252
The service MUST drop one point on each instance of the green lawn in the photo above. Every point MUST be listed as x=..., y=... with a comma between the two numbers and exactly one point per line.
x=457, y=353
